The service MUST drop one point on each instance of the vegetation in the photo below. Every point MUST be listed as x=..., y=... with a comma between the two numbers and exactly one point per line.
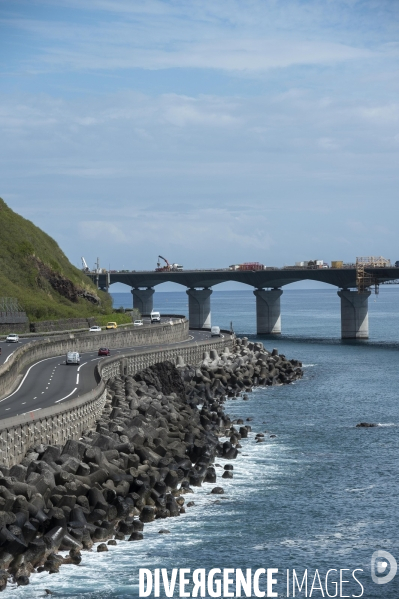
x=34, y=270
x=117, y=317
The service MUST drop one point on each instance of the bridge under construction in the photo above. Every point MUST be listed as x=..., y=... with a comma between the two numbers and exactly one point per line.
x=354, y=288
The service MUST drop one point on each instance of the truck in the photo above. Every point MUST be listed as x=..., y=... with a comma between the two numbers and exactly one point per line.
x=251, y=266
x=155, y=317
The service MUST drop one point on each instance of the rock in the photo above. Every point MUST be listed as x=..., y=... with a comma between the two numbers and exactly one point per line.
x=366, y=425
x=136, y=536
x=147, y=513
x=150, y=445
x=3, y=580
x=210, y=476
x=164, y=531
x=22, y=580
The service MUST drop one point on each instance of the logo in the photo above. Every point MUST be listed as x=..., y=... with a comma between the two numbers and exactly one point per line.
x=380, y=560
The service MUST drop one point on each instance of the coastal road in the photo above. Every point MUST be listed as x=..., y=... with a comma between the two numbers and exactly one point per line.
x=51, y=381
x=7, y=349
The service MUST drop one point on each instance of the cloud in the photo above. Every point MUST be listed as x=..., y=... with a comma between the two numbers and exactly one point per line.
x=386, y=114
x=215, y=132
x=100, y=230
x=182, y=232
x=233, y=37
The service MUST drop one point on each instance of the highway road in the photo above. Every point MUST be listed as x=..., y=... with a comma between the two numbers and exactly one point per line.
x=7, y=349
x=52, y=381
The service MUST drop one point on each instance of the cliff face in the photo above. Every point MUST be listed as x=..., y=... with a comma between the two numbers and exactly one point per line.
x=35, y=271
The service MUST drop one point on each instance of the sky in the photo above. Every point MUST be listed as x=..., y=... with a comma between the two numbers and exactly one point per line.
x=211, y=132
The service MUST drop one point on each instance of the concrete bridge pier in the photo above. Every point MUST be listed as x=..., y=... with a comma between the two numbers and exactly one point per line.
x=268, y=311
x=199, y=308
x=354, y=314
x=143, y=300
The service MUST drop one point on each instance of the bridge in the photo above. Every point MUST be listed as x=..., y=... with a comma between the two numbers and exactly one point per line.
x=267, y=286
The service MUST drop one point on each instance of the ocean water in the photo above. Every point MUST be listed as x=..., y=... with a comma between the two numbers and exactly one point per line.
x=320, y=495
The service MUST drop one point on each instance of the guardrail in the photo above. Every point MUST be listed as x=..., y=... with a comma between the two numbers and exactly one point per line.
x=65, y=421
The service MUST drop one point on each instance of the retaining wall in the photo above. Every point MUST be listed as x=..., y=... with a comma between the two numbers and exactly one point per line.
x=41, y=326
x=67, y=421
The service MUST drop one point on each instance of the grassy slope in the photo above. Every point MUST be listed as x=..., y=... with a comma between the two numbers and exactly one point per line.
x=20, y=243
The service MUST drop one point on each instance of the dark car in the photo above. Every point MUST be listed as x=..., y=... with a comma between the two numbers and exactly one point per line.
x=104, y=351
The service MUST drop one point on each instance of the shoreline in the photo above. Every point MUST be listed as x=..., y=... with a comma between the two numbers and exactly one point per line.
x=151, y=446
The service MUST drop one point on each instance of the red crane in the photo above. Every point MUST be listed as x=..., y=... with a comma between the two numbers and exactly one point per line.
x=162, y=268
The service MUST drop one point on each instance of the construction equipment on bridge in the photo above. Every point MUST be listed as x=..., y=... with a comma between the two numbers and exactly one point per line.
x=373, y=261
x=337, y=264
x=251, y=266
x=365, y=279
x=307, y=264
x=168, y=267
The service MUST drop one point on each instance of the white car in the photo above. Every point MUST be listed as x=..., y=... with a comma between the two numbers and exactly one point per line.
x=95, y=329
x=215, y=331
x=72, y=357
x=138, y=323
x=12, y=338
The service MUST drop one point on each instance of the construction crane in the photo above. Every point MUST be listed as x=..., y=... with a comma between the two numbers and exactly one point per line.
x=85, y=268
x=162, y=268
x=168, y=267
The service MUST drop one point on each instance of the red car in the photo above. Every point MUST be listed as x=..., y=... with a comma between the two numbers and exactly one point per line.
x=104, y=351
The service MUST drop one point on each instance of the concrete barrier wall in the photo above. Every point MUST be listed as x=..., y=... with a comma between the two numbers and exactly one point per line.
x=67, y=421
x=115, y=339
x=192, y=353
x=55, y=426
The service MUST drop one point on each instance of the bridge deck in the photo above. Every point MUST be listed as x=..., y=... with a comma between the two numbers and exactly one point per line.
x=261, y=279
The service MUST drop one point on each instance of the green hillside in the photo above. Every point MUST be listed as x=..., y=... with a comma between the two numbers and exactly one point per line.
x=34, y=270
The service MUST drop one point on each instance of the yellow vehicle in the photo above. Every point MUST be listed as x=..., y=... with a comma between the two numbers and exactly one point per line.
x=111, y=325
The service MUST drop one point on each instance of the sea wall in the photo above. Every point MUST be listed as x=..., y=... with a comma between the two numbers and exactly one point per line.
x=56, y=424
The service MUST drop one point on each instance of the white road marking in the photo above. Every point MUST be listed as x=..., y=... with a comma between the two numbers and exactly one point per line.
x=23, y=380
x=66, y=396
x=81, y=365
x=8, y=357
x=8, y=409
x=77, y=379
x=23, y=403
